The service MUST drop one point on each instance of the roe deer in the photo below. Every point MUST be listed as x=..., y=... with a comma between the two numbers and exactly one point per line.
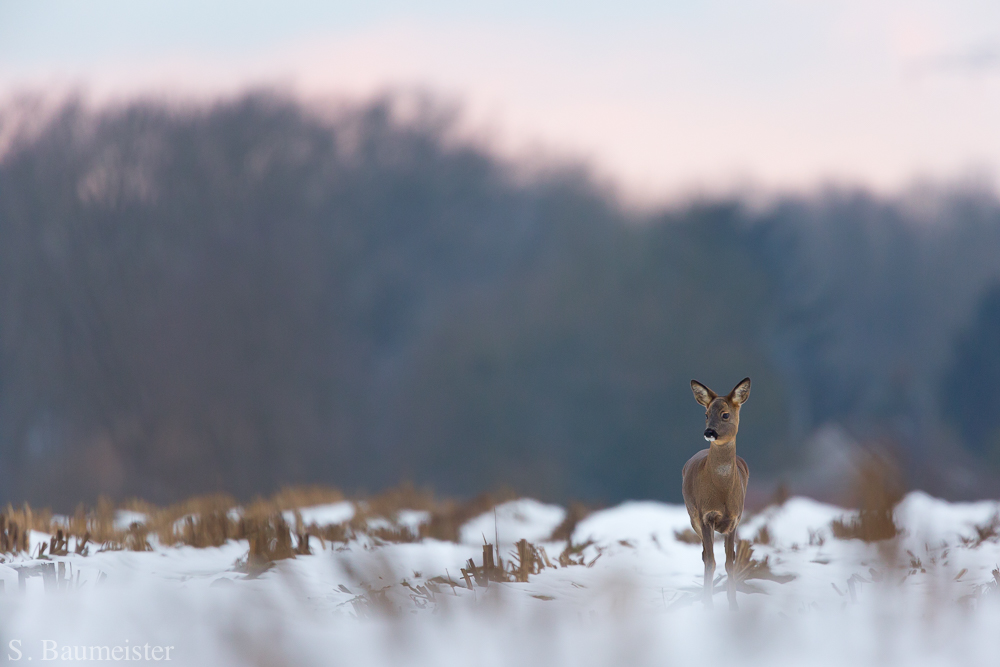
x=715, y=481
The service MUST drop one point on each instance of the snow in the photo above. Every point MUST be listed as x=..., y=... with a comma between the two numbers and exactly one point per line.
x=524, y=519
x=634, y=521
x=125, y=518
x=939, y=520
x=798, y=521
x=412, y=519
x=323, y=515
x=920, y=599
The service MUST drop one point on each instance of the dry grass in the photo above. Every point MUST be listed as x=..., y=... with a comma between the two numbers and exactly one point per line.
x=878, y=489
x=448, y=517
x=763, y=535
x=270, y=540
x=305, y=496
x=393, y=534
x=212, y=520
x=13, y=536
x=687, y=536
x=29, y=518
x=988, y=532
x=372, y=513
x=573, y=554
x=576, y=513
x=403, y=497
x=748, y=568
x=527, y=560
x=201, y=521
x=780, y=496
x=334, y=533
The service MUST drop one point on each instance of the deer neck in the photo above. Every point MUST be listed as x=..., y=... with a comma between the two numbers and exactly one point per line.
x=722, y=460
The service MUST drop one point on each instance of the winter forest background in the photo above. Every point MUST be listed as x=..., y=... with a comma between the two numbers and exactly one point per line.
x=252, y=293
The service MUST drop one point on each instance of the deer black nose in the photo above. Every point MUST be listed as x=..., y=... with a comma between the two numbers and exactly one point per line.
x=710, y=434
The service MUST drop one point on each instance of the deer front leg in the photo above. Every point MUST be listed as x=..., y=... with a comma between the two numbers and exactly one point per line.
x=708, y=556
x=731, y=568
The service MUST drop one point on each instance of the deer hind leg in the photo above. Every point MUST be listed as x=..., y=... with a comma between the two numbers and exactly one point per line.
x=731, y=568
x=708, y=556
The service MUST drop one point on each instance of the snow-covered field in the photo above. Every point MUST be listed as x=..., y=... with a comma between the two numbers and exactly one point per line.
x=925, y=598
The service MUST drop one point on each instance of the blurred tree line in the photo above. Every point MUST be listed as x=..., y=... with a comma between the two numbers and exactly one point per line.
x=249, y=294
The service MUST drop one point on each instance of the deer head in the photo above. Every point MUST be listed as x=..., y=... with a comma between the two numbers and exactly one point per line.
x=722, y=413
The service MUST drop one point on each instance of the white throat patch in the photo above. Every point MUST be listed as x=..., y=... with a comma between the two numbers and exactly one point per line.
x=724, y=469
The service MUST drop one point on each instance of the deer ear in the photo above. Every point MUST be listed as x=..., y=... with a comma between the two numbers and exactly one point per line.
x=740, y=393
x=702, y=394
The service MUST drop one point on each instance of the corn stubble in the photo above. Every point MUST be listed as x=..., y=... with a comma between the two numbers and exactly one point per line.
x=878, y=488
x=212, y=520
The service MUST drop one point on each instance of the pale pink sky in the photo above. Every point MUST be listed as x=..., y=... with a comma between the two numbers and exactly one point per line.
x=774, y=94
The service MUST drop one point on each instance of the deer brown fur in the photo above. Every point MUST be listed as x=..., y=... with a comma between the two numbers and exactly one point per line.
x=715, y=481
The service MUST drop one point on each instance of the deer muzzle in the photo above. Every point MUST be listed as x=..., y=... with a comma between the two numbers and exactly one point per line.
x=711, y=434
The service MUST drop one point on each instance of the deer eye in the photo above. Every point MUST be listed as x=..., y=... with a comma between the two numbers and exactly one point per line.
x=725, y=415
